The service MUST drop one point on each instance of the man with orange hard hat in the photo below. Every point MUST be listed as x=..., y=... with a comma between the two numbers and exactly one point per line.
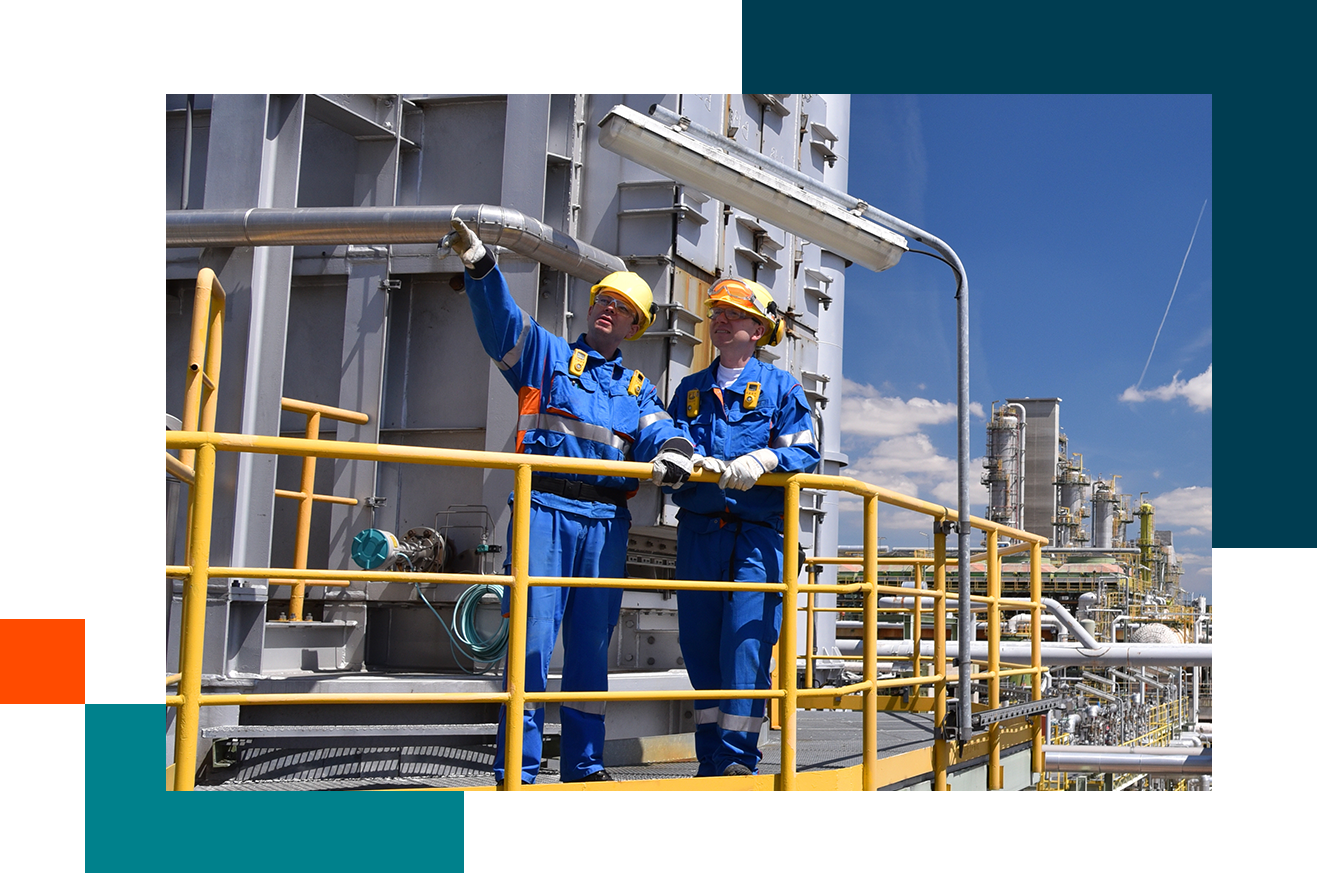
x=746, y=418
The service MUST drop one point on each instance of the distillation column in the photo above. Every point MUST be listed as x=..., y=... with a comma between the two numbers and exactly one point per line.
x=1072, y=484
x=1105, y=512
x=1004, y=475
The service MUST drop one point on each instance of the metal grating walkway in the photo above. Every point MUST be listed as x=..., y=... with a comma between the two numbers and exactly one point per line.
x=825, y=740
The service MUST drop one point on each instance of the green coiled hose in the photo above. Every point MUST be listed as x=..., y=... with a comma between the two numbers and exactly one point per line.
x=465, y=636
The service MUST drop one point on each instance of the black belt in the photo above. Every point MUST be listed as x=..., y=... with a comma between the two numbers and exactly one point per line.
x=727, y=518
x=574, y=489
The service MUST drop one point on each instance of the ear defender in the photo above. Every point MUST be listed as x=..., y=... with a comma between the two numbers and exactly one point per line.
x=777, y=331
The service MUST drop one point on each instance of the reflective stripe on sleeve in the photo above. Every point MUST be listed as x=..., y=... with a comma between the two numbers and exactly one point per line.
x=647, y=420
x=573, y=427
x=787, y=440
x=514, y=354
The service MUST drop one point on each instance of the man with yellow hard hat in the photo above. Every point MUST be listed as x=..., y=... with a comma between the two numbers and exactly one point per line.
x=575, y=400
x=746, y=418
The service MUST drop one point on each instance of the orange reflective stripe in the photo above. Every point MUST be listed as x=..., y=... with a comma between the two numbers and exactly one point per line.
x=528, y=403
x=528, y=400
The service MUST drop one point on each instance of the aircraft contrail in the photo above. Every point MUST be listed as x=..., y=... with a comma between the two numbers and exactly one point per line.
x=1169, y=302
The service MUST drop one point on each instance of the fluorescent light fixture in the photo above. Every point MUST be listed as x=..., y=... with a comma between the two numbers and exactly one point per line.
x=749, y=188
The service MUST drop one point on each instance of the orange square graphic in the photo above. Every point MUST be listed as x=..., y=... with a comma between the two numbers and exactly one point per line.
x=43, y=660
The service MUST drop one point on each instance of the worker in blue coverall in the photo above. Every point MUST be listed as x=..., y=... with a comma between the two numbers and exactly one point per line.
x=746, y=418
x=575, y=400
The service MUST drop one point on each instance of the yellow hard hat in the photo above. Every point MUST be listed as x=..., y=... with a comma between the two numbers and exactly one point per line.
x=752, y=298
x=637, y=293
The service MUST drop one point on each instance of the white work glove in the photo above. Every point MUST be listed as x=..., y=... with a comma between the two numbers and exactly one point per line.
x=710, y=465
x=673, y=465
x=463, y=243
x=742, y=473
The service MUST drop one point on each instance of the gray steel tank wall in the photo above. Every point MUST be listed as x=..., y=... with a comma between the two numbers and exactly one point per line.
x=383, y=330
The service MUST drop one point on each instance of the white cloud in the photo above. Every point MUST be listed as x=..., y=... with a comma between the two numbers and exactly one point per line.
x=1186, y=510
x=867, y=413
x=1197, y=573
x=885, y=439
x=1194, y=565
x=1198, y=391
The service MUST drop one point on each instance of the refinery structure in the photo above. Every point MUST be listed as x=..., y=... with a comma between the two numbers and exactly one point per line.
x=341, y=451
x=1121, y=585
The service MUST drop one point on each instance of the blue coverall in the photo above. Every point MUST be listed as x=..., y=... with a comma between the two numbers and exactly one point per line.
x=727, y=637
x=602, y=413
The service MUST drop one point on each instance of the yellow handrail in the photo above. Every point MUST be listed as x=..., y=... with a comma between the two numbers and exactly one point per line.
x=307, y=497
x=203, y=358
x=189, y=698
x=198, y=444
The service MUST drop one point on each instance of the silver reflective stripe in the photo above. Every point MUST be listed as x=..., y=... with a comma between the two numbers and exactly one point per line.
x=531, y=706
x=594, y=707
x=708, y=715
x=510, y=359
x=573, y=427
x=786, y=440
x=739, y=723
x=647, y=420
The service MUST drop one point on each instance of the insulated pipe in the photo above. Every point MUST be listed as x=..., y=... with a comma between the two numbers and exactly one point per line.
x=388, y=225
x=924, y=603
x=1153, y=765
x=1014, y=622
x=1070, y=623
x=1141, y=679
x=1060, y=654
x=1051, y=748
x=846, y=624
x=1086, y=601
x=1097, y=692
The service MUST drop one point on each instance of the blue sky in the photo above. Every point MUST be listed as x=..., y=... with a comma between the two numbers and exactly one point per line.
x=1072, y=216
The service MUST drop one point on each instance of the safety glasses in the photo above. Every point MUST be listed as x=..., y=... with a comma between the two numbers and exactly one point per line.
x=605, y=300
x=727, y=313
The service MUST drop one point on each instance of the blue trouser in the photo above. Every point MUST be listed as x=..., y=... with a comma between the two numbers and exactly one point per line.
x=565, y=544
x=727, y=637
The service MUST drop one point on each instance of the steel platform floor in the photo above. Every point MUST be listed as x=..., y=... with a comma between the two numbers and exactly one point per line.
x=826, y=740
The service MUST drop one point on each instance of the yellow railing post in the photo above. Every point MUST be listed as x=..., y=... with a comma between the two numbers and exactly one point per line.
x=1036, y=650
x=513, y=723
x=204, y=347
x=994, y=661
x=200, y=402
x=306, y=498
x=941, y=749
x=918, y=620
x=869, y=724
x=809, y=630
x=304, y=505
x=787, y=643
x=187, y=724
